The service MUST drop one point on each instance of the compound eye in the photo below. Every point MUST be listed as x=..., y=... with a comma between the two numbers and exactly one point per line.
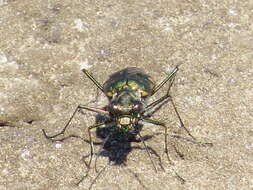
x=117, y=108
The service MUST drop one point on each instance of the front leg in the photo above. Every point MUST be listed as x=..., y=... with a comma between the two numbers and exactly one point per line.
x=79, y=107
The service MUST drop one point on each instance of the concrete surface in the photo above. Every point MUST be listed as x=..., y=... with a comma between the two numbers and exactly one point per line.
x=44, y=44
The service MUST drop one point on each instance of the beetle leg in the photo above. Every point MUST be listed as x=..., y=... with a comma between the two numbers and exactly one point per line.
x=165, y=135
x=183, y=126
x=153, y=104
x=79, y=107
x=90, y=76
x=170, y=77
x=100, y=150
x=167, y=96
x=95, y=179
x=146, y=148
x=155, y=122
x=91, y=150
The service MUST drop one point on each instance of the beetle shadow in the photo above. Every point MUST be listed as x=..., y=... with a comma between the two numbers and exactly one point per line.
x=116, y=145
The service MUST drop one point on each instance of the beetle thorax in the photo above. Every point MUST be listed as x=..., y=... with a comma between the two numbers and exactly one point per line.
x=126, y=103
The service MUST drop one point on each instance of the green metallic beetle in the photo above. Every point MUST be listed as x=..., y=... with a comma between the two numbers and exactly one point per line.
x=128, y=91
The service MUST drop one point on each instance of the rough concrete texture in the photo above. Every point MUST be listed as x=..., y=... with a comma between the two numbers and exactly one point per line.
x=44, y=44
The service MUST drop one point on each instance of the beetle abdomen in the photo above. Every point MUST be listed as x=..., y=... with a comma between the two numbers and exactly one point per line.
x=131, y=77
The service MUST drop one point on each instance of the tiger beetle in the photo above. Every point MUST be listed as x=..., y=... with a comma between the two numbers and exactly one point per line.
x=127, y=91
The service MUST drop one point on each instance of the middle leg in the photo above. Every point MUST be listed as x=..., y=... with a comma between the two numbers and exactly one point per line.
x=159, y=123
x=91, y=150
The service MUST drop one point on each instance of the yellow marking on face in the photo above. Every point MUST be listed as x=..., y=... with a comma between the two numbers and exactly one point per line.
x=144, y=93
x=109, y=94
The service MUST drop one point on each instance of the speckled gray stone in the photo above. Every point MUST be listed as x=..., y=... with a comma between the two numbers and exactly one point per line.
x=45, y=44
